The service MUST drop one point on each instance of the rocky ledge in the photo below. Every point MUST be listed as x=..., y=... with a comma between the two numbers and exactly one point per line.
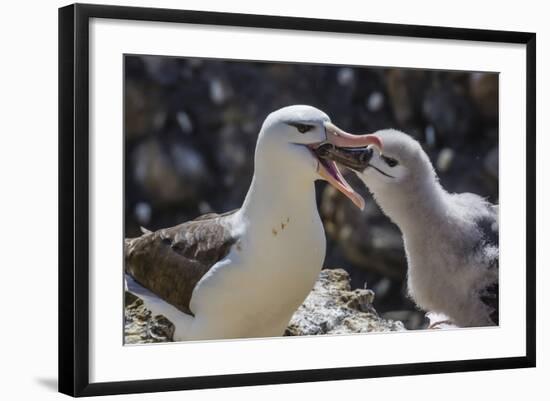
x=332, y=307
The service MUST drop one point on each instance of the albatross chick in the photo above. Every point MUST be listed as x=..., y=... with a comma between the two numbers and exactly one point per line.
x=451, y=240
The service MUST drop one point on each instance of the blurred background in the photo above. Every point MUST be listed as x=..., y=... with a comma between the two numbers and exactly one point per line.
x=191, y=128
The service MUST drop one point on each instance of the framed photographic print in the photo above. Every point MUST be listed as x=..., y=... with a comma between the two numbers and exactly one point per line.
x=251, y=199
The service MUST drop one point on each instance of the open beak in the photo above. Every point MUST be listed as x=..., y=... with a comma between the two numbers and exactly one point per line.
x=328, y=169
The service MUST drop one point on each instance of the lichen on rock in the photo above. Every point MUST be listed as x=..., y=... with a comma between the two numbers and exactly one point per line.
x=333, y=307
x=140, y=327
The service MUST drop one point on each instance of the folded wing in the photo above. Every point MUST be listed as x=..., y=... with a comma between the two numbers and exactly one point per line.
x=171, y=261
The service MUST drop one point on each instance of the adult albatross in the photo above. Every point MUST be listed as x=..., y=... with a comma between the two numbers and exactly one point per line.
x=451, y=240
x=244, y=273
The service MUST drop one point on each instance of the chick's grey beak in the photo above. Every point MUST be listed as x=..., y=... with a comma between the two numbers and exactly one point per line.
x=355, y=158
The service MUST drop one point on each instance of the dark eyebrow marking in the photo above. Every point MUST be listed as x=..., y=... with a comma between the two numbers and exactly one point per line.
x=380, y=171
x=301, y=127
x=296, y=123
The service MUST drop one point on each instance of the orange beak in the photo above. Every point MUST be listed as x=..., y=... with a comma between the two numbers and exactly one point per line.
x=328, y=169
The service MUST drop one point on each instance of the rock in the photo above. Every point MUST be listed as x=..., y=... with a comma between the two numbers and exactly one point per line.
x=430, y=136
x=164, y=70
x=219, y=92
x=129, y=298
x=444, y=160
x=375, y=102
x=169, y=174
x=141, y=101
x=400, y=96
x=345, y=76
x=411, y=319
x=491, y=163
x=140, y=327
x=143, y=212
x=451, y=113
x=332, y=307
x=184, y=122
x=484, y=91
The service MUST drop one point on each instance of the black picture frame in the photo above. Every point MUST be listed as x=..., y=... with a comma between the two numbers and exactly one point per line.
x=74, y=198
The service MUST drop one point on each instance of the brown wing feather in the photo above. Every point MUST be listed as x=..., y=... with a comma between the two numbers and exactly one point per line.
x=171, y=261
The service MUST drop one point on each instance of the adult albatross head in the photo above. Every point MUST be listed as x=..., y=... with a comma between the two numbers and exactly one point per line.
x=288, y=140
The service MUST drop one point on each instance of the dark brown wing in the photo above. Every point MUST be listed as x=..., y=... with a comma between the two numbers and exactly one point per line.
x=171, y=261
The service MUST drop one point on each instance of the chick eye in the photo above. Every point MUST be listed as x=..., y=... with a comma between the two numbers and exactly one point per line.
x=389, y=161
x=303, y=128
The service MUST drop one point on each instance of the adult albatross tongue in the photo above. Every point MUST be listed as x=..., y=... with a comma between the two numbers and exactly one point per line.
x=244, y=273
x=451, y=240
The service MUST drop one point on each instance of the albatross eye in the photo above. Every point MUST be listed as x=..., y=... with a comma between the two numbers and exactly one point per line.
x=302, y=128
x=389, y=161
